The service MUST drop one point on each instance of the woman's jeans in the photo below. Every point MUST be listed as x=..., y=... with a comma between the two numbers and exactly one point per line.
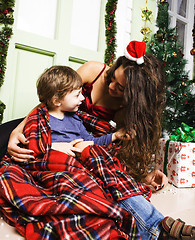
x=147, y=217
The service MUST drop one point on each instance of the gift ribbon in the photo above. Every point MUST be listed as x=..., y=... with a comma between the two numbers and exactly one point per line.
x=184, y=133
x=166, y=157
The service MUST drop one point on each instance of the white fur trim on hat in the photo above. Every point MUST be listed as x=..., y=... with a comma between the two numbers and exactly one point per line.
x=135, y=51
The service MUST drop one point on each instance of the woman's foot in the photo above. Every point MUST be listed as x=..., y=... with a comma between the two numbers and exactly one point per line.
x=177, y=229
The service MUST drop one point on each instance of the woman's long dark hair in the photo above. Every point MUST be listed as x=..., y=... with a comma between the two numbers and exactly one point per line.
x=144, y=100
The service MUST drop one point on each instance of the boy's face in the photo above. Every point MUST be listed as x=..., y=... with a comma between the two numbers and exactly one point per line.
x=71, y=101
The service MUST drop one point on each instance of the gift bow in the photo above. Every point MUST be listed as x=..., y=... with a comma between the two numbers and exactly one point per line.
x=183, y=134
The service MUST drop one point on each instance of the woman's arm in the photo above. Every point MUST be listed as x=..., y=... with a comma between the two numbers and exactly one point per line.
x=17, y=137
x=89, y=71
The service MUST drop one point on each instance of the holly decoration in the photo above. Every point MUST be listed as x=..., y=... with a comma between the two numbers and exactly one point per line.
x=180, y=104
x=6, y=20
x=110, y=32
x=146, y=16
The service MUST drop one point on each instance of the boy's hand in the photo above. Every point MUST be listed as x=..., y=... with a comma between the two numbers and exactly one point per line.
x=68, y=148
x=121, y=134
x=82, y=145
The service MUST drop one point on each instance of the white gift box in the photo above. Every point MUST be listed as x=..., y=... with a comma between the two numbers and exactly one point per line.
x=180, y=163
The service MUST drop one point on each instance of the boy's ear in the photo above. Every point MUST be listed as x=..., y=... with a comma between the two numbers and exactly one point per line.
x=56, y=102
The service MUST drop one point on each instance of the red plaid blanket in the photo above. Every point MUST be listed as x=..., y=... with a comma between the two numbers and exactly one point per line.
x=57, y=196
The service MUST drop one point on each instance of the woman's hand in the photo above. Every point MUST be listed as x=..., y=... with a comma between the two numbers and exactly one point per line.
x=17, y=153
x=68, y=148
x=156, y=179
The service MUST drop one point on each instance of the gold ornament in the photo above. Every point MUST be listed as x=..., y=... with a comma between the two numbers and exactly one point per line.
x=146, y=16
x=145, y=39
x=192, y=52
x=145, y=30
x=9, y=15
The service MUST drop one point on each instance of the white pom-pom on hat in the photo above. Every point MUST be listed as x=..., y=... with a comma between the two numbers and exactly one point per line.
x=135, y=51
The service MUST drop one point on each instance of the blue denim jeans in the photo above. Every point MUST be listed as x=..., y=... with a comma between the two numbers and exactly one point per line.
x=147, y=217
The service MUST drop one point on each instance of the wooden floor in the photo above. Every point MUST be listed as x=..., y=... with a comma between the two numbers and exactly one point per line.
x=171, y=201
x=176, y=203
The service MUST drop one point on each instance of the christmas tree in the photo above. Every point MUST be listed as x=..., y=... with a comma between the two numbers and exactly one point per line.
x=180, y=104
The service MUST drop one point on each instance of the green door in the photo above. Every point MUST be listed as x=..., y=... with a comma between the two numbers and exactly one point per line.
x=46, y=33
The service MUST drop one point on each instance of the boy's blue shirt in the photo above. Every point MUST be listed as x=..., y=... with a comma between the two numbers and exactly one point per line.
x=71, y=127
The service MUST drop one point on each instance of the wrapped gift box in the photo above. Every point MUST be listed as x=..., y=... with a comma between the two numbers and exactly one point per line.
x=180, y=163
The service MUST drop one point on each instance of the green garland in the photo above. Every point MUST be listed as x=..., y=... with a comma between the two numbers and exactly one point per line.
x=110, y=32
x=6, y=20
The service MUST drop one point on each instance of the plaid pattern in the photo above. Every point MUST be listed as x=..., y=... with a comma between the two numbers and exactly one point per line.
x=57, y=196
x=95, y=125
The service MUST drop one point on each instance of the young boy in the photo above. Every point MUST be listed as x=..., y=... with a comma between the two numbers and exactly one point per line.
x=59, y=88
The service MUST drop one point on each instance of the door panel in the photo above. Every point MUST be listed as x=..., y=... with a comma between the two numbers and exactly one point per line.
x=33, y=48
x=82, y=28
x=33, y=18
x=25, y=94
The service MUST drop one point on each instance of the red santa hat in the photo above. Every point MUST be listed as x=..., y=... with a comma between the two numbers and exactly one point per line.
x=135, y=51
